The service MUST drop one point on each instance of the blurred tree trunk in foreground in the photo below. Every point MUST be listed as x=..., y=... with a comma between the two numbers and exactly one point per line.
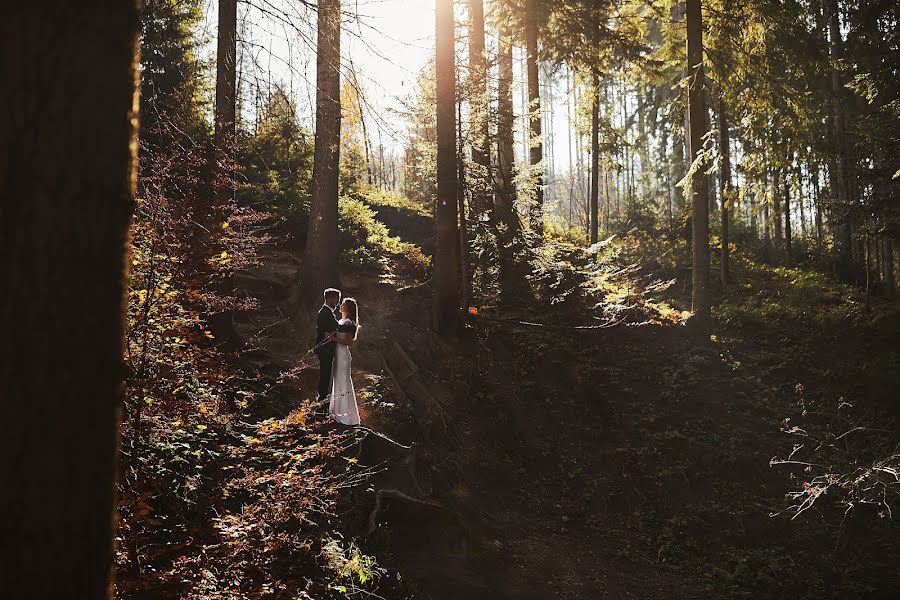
x=68, y=151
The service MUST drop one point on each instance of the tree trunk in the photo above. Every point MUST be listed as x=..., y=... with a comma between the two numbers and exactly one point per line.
x=888, y=259
x=547, y=102
x=767, y=218
x=788, y=255
x=445, y=279
x=479, y=113
x=513, y=272
x=725, y=185
x=843, y=240
x=820, y=234
x=506, y=196
x=700, y=299
x=320, y=266
x=463, y=240
x=754, y=220
x=226, y=98
x=776, y=208
x=570, y=128
x=536, y=146
x=68, y=152
x=677, y=173
x=595, y=153
x=801, y=199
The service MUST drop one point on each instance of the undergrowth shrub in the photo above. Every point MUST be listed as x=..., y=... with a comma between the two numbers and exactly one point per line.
x=844, y=460
x=367, y=242
x=600, y=276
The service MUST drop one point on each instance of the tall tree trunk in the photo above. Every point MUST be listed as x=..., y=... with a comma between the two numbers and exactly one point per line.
x=595, y=154
x=536, y=146
x=547, y=102
x=68, y=152
x=843, y=240
x=570, y=128
x=320, y=265
x=767, y=218
x=513, y=271
x=725, y=185
x=445, y=279
x=480, y=113
x=776, y=208
x=677, y=170
x=700, y=299
x=579, y=166
x=788, y=254
x=506, y=196
x=888, y=260
x=801, y=199
x=226, y=98
x=642, y=145
x=466, y=268
x=820, y=234
x=754, y=220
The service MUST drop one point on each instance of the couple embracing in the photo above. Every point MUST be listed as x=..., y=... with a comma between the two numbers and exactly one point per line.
x=336, y=326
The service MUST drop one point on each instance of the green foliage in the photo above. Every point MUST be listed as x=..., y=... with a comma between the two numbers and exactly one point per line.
x=276, y=163
x=558, y=231
x=365, y=241
x=351, y=566
x=376, y=197
x=421, y=149
x=772, y=295
x=174, y=85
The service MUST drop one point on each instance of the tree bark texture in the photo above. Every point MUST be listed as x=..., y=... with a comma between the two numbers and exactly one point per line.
x=445, y=279
x=788, y=253
x=725, y=187
x=480, y=113
x=506, y=196
x=226, y=93
x=776, y=207
x=700, y=299
x=888, y=268
x=320, y=265
x=68, y=154
x=843, y=239
x=595, y=156
x=536, y=145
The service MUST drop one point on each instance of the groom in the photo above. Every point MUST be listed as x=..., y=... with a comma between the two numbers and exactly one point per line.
x=326, y=324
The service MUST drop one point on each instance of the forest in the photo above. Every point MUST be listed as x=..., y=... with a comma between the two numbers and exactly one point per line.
x=619, y=277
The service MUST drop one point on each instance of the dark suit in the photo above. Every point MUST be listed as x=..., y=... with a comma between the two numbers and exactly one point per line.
x=326, y=322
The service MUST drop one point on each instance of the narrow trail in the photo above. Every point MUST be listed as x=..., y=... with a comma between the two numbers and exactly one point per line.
x=614, y=463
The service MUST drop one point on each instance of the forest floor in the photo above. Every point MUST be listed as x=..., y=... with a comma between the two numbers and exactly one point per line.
x=633, y=461
x=528, y=461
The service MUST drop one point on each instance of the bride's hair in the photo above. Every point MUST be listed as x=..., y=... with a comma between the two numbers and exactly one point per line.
x=353, y=311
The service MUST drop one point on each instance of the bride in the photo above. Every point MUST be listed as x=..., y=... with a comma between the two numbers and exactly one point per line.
x=343, y=398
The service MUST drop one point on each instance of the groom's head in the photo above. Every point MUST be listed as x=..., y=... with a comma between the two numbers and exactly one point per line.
x=332, y=297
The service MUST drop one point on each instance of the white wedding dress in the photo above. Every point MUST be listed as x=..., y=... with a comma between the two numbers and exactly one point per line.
x=343, y=398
